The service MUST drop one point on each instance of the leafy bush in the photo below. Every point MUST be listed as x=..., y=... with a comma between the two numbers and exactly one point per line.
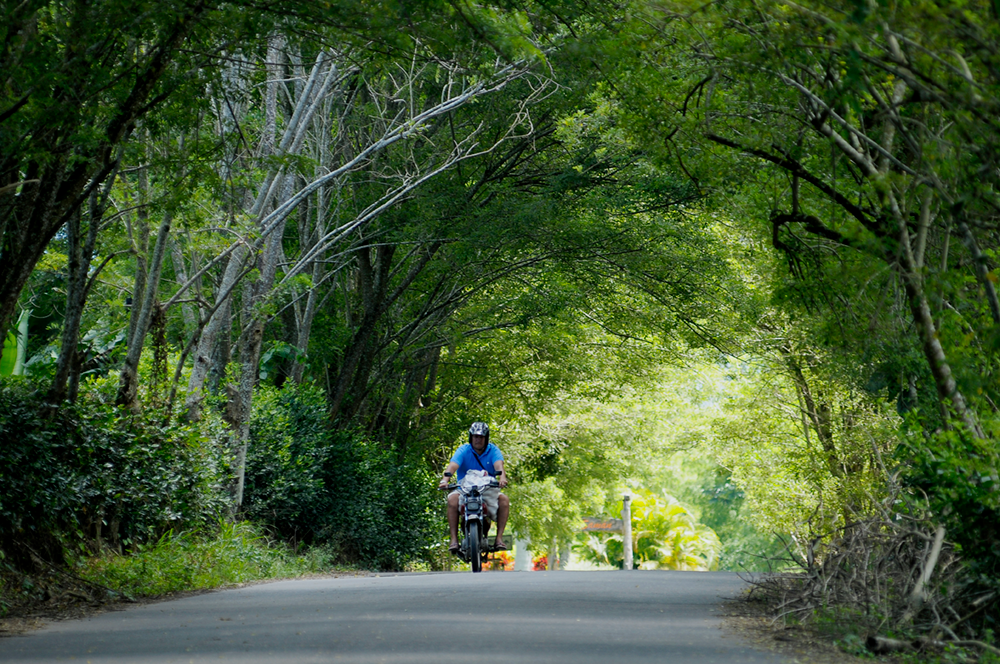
x=318, y=485
x=284, y=484
x=960, y=477
x=88, y=475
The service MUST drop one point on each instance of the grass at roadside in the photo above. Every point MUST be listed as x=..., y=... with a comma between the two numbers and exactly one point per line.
x=238, y=553
x=178, y=562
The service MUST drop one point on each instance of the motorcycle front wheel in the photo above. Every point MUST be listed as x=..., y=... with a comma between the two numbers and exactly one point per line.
x=473, y=540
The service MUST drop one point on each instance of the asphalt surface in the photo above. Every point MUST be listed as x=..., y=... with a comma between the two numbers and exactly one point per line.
x=522, y=617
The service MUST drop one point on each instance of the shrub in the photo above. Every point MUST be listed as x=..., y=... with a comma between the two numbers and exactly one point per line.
x=960, y=476
x=319, y=485
x=86, y=475
x=237, y=553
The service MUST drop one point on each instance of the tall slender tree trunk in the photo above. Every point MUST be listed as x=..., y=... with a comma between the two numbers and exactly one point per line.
x=948, y=393
x=77, y=278
x=818, y=414
x=180, y=273
x=952, y=400
x=250, y=347
x=982, y=272
x=221, y=319
x=252, y=334
x=304, y=324
x=128, y=384
x=140, y=245
x=81, y=252
x=372, y=282
x=278, y=185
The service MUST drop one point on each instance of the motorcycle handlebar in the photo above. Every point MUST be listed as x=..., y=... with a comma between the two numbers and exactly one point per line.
x=452, y=487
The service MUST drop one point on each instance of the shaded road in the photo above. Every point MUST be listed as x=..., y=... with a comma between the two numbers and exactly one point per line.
x=539, y=617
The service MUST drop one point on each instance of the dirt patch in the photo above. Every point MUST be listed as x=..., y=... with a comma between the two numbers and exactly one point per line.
x=752, y=620
x=795, y=642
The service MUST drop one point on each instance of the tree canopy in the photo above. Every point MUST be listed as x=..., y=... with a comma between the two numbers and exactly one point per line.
x=311, y=242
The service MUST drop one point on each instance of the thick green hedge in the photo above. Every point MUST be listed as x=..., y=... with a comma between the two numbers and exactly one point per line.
x=315, y=485
x=89, y=475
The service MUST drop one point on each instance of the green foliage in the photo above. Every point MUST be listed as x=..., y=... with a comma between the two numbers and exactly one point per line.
x=664, y=536
x=235, y=553
x=89, y=475
x=332, y=487
x=616, y=227
x=719, y=504
x=773, y=104
x=9, y=357
x=683, y=463
x=795, y=481
x=960, y=477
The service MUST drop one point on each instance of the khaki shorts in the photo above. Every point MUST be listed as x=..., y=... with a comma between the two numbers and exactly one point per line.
x=491, y=500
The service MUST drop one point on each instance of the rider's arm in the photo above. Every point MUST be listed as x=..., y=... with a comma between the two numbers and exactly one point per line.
x=501, y=475
x=448, y=472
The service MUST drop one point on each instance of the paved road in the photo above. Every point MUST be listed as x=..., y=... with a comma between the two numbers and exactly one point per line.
x=529, y=618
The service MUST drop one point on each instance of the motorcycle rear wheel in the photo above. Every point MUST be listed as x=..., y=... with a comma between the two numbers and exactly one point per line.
x=473, y=539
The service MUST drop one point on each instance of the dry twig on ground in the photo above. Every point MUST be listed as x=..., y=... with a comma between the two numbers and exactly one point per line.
x=892, y=572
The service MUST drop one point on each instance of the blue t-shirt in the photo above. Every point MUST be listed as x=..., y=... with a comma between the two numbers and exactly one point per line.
x=467, y=460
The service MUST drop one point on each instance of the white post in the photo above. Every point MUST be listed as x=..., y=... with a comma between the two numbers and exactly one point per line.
x=553, y=565
x=627, y=531
x=564, y=556
x=522, y=556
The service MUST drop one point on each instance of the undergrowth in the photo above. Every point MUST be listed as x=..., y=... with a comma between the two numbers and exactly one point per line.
x=238, y=553
x=235, y=553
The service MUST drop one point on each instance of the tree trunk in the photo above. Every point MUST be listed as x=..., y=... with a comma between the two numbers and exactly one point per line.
x=140, y=246
x=75, y=283
x=250, y=346
x=304, y=327
x=222, y=318
x=819, y=415
x=372, y=282
x=80, y=256
x=982, y=272
x=948, y=394
x=180, y=274
x=254, y=321
x=128, y=384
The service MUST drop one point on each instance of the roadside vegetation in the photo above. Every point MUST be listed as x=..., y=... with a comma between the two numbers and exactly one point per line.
x=237, y=553
x=229, y=554
x=260, y=267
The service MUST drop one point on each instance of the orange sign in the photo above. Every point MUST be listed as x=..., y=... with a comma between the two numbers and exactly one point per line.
x=599, y=525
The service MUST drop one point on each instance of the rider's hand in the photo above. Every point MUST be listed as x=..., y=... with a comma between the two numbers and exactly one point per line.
x=502, y=479
x=443, y=484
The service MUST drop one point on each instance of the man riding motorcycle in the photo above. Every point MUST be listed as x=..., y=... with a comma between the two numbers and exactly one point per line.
x=478, y=454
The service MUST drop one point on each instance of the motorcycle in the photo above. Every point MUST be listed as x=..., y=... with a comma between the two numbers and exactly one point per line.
x=474, y=547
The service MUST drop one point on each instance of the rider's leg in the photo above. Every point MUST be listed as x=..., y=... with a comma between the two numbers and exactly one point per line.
x=453, y=520
x=503, y=511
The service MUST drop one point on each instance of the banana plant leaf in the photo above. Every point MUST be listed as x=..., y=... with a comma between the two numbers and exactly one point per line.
x=9, y=358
